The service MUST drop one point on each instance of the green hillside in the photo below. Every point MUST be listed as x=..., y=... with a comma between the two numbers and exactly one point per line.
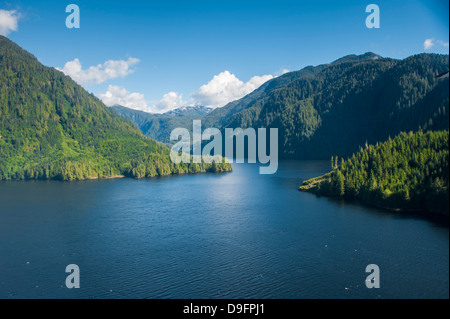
x=331, y=109
x=408, y=172
x=335, y=108
x=51, y=128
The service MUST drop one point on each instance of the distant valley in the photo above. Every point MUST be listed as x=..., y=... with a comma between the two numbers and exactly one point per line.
x=331, y=109
x=158, y=126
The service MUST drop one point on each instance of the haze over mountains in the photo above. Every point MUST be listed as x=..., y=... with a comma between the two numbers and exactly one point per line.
x=158, y=126
x=332, y=109
x=190, y=111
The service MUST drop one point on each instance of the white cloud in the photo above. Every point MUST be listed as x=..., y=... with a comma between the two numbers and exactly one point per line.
x=226, y=87
x=170, y=101
x=445, y=44
x=8, y=21
x=282, y=71
x=428, y=44
x=101, y=73
x=117, y=95
x=222, y=89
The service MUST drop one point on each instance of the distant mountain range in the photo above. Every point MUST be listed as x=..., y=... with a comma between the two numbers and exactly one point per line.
x=51, y=128
x=158, y=126
x=335, y=108
x=190, y=111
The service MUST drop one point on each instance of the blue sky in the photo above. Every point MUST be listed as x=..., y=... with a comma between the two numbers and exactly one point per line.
x=164, y=54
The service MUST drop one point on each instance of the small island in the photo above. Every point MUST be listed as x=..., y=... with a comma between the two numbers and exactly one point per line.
x=407, y=173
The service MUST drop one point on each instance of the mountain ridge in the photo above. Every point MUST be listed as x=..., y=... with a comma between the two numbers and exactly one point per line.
x=372, y=97
x=51, y=128
x=158, y=126
x=194, y=111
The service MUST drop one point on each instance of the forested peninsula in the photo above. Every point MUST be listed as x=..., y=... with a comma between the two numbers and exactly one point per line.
x=408, y=172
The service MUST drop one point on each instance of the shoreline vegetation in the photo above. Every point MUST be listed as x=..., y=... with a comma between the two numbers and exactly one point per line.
x=139, y=172
x=203, y=168
x=409, y=173
x=107, y=177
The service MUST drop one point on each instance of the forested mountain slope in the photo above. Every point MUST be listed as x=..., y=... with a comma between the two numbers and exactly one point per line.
x=51, y=128
x=333, y=109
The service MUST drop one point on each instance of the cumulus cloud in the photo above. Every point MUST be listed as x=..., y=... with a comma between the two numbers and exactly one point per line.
x=170, y=101
x=430, y=43
x=226, y=87
x=117, y=95
x=101, y=73
x=222, y=89
x=8, y=21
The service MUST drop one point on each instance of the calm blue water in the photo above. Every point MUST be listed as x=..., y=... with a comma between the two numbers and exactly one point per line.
x=232, y=235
